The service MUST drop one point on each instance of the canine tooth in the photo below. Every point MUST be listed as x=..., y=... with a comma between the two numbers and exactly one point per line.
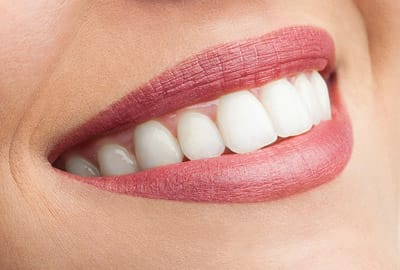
x=322, y=90
x=309, y=97
x=244, y=124
x=115, y=160
x=288, y=114
x=155, y=145
x=198, y=136
x=78, y=165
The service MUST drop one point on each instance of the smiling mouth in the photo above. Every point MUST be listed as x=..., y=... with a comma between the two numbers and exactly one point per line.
x=247, y=121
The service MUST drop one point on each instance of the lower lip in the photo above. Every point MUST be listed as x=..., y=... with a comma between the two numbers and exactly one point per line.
x=291, y=166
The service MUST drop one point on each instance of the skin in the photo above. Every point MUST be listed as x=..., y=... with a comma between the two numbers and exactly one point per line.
x=62, y=62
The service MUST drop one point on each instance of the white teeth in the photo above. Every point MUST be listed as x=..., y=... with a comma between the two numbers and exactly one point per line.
x=309, y=97
x=80, y=166
x=322, y=90
x=155, y=146
x=198, y=136
x=116, y=160
x=244, y=124
x=288, y=114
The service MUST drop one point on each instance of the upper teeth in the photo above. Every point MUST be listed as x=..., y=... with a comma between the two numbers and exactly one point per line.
x=309, y=97
x=115, y=160
x=155, y=145
x=80, y=166
x=245, y=121
x=199, y=136
x=288, y=113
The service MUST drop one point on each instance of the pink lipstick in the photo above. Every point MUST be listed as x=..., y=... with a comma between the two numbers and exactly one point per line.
x=290, y=166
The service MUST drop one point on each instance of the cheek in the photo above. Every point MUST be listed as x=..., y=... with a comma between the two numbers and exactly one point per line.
x=32, y=36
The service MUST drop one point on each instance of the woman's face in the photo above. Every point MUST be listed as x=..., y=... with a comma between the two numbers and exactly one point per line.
x=64, y=62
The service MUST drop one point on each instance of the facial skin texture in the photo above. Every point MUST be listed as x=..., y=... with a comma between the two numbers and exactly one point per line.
x=62, y=62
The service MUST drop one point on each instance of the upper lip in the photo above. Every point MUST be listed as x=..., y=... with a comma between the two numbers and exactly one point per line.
x=212, y=73
x=208, y=75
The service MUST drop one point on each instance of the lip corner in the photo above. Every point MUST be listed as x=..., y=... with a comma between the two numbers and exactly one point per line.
x=304, y=48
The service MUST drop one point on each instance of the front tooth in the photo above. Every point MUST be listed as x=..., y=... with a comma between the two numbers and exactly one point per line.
x=288, y=114
x=309, y=97
x=244, y=124
x=78, y=165
x=115, y=160
x=155, y=145
x=322, y=90
x=199, y=136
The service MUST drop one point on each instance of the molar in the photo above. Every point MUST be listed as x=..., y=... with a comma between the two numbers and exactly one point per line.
x=78, y=165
